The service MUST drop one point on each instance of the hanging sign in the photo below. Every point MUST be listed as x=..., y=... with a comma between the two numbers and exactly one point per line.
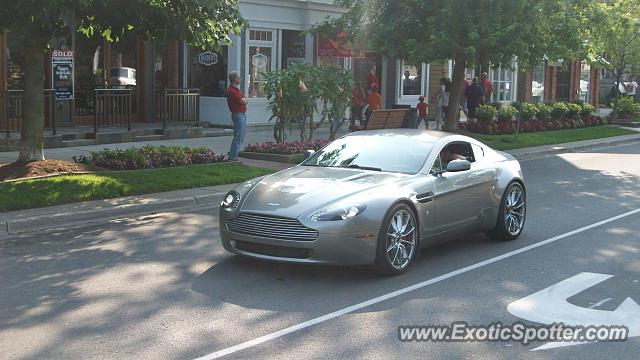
x=208, y=58
x=62, y=74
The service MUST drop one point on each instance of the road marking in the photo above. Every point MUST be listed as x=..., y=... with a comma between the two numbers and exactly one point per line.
x=600, y=303
x=550, y=305
x=263, y=339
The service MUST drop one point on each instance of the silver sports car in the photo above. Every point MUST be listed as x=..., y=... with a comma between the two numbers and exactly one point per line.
x=376, y=197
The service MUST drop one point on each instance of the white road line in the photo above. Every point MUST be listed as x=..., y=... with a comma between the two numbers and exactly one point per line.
x=394, y=294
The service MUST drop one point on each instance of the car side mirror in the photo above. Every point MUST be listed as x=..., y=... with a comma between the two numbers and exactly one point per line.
x=309, y=153
x=458, y=165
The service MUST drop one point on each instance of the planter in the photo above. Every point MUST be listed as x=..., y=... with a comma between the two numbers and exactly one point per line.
x=288, y=159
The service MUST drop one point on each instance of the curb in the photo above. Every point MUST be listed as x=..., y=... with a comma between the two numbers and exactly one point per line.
x=522, y=154
x=105, y=214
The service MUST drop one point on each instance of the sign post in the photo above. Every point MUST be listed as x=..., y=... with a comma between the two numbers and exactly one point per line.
x=62, y=74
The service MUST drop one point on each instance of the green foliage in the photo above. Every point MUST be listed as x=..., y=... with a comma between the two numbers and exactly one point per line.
x=544, y=111
x=506, y=113
x=528, y=111
x=559, y=110
x=627, y=107
x=573, y=111
x=293, y=95
x=486, y=113
x=149, y=157
x=112, y=184
x=587, y=110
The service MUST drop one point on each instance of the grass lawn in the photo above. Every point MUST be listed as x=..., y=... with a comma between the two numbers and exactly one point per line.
x=57, y=190
x=508, y=142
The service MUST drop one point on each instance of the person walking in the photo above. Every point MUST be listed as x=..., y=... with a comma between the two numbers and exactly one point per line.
x=422, y=112
x=441, y=98
x=474, y=94
x=357, y=102
x=487, y=86
x=374, y=102
x=237, y=103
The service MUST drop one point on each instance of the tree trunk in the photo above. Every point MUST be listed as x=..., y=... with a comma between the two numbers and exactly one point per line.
x=33, y=101
x=616, y=99
x=451, y=121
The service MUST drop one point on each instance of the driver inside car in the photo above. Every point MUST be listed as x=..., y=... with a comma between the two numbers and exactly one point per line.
x=449, y=153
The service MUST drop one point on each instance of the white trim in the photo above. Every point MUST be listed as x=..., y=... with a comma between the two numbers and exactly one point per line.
x=424, y=88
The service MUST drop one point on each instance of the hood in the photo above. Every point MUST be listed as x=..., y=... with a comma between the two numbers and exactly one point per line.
x=294, y=191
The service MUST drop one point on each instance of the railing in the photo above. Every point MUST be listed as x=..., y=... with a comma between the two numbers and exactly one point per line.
x=83, y=104
x=12, y=110
x=178, y=106
x=113, y=108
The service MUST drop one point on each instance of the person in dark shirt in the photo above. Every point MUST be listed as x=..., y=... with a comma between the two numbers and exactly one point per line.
x=475, y=97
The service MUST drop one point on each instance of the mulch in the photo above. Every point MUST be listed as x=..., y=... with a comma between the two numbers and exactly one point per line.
x=19, y=170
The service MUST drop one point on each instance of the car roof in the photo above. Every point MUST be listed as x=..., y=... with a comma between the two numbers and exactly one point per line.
x=424, y=135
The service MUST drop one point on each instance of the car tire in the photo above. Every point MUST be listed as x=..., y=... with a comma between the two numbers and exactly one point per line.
x=399, y=237
x=512, y=214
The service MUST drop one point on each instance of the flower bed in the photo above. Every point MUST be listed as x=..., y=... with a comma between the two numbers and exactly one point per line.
x=535, y=117
x=287, y=148
x=149, y=157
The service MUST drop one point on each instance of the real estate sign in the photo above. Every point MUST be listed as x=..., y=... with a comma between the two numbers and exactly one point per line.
x=62, y=74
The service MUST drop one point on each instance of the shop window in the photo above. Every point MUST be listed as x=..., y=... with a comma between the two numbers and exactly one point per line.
x=537, y=83
x=260, y=60
x=293, y=48
x=585, y=77
x=208, y=71
x=503, y=84
x=122, y=70
x=411, y=79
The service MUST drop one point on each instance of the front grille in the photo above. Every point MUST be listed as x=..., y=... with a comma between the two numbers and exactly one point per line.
x=271, y=227
x=271, y=250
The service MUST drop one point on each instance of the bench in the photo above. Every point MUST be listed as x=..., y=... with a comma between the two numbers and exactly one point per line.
x=387, y=119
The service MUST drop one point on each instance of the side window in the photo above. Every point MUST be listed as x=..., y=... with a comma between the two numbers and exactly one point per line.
x=460, y=149
x=478, y=152
x=437, y=166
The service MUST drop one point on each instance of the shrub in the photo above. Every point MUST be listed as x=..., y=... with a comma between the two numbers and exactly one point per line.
x=587, y=110
x=287, y=148
x=149, y=157
x=506, y=113
x=486, y=113
x=573, y=111
x=627, y=107
x=528, y=111
x=544, y=111
x=559, y=110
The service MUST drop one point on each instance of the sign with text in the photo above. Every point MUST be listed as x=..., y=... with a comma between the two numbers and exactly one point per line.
x=62, y=74
x=208, y=58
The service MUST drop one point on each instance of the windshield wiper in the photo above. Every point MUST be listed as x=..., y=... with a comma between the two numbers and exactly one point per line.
x=355, y=166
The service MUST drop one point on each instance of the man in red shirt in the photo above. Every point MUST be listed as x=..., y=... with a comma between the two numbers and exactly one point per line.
x=357, y=102
x=487, y=86
x=374, y=102
x=372, y=78
x=237, y=103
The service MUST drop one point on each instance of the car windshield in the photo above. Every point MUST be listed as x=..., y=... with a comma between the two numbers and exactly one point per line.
x=388, y=153
x=119, y=72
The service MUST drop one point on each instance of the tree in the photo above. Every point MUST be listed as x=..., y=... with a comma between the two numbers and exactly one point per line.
x=615, y=38
x=466, y=31
x=205, y=23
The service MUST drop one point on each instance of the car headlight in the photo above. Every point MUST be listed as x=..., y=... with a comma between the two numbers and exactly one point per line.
x=231, y=200
x=338, y=213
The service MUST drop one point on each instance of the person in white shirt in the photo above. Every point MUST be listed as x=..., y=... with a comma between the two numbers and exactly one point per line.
x=632, y=88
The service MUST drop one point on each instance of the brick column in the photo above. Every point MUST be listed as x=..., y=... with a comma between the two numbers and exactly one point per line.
x=550, y=82
x=574, y=83
x=141, y=72
x=525, y=92
x=173, y=64
x=3, y=61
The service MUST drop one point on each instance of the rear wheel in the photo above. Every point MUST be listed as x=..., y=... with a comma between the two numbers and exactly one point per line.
x=513, y=209
x=398, y=241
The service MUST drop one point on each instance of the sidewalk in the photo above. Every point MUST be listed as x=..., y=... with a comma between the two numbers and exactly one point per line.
x=104, y=211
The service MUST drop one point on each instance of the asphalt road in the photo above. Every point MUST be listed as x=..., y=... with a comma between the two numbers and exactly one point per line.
x=162, y=287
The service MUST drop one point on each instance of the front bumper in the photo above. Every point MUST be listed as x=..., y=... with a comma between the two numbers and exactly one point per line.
x=338, y=243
